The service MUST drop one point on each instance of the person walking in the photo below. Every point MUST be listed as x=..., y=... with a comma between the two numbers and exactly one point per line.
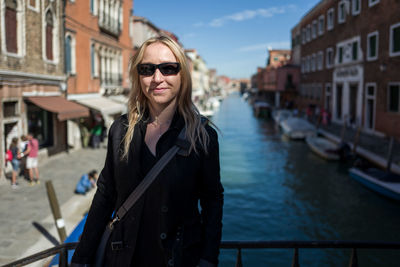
x=165, y=227
x=14, y=162
x=32, y=160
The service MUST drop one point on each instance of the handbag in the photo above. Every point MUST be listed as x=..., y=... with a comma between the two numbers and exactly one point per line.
x=182, y=148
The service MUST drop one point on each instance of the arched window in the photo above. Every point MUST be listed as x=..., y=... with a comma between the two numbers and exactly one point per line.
x=11, y=26
x=49, y=35
x=68, y=54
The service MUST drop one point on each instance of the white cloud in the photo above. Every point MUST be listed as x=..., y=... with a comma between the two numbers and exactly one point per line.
x=265, y=46
x=198, y=24
x=250, y=14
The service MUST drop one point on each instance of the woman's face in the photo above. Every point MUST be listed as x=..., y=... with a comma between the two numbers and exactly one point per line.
x=161, y=90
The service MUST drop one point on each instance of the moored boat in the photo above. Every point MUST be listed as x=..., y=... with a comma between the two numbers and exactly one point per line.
x=297, y=128
x=323, y=147
x=281, y=115
x=382, y=182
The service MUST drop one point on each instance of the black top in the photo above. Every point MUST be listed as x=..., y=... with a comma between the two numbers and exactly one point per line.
x=149, y=251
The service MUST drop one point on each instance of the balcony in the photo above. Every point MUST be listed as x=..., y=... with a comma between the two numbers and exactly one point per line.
x=110, y=26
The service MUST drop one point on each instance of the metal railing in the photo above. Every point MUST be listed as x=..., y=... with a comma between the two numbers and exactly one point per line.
x=63, y=249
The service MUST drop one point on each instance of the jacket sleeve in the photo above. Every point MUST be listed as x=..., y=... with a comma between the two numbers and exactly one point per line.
x=211, y=200
x=102, y=206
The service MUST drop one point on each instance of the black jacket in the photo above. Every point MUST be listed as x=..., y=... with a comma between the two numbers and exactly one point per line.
x=186, y=234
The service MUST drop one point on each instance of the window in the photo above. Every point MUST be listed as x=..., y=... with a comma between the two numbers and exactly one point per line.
x=329, y=57
x=321, y=24
x=302, y=68
x=372, y=2
x=70, y=56
x=68, y=52
x=394, y=49
x=11, y=26
x=340, y=54
x=394, y=97
x=313, y=59
x=355, y=7
x=49, y=35
x=303, y=36
x=342, y=12
x=308, y=35
x=314, y=29
x=92, y=60
x=372, y=46
x=320, y=59
x=308, y=60
x=92, y=6
x=330, y=19
x=355, y=51
x=10, y=109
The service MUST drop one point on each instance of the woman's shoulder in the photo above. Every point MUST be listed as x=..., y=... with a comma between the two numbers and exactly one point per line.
x=209, y=126
x=119, y=125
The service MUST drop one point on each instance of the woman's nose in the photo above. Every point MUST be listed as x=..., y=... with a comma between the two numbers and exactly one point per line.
x=158, y=76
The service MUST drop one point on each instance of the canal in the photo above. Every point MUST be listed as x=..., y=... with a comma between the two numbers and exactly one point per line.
x=277, y=189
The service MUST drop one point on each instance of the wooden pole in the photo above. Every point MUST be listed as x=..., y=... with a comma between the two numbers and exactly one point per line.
x=356, y=139
x=342, y=134
x=55, y=209
x=390, y=154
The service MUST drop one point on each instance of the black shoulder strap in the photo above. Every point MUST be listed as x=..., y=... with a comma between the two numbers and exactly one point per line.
x=150, y=177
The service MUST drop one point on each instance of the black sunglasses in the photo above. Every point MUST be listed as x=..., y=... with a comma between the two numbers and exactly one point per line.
x=168, y=68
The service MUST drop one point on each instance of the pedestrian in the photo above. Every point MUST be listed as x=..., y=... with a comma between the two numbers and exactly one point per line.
x=86, y=182
x=14, y=162
x=96, y=135
x=165, y=227
x=32, y=160
x=23, y=146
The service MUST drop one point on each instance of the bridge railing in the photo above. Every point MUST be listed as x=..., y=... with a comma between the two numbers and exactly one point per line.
x=62, y=250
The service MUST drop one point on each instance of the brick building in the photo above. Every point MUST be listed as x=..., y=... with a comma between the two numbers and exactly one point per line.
x=277, y=83
x=350, y=53
x=32, y=80
x=98, y=47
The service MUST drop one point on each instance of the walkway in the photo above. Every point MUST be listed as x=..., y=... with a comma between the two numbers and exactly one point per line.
x=22, y=207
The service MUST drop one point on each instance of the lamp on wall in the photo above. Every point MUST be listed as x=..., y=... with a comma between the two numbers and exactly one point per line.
x=383, y=67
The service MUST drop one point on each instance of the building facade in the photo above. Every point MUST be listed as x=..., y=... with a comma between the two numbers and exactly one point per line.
x=32, y=80
x=350, y=51
x=98, y=47
x=278, y=82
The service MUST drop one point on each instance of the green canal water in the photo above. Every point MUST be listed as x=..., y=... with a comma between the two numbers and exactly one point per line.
x=277, y=189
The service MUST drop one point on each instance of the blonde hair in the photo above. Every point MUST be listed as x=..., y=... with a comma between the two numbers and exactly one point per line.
x=138, y=103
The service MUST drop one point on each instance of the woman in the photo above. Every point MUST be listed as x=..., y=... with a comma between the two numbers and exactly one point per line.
x=165, y=227
x=14, y=162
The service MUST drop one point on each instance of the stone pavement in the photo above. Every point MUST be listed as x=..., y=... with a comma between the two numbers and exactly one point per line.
x=21, y=208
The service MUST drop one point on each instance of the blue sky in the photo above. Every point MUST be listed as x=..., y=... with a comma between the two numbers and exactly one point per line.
x=231, y=36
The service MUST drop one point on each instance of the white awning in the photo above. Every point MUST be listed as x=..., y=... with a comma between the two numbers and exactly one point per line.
x=119, y=99
x=104, y=105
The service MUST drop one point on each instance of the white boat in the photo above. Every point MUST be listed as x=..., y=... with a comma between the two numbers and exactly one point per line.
x=297, y=128
x=281, y=115
x=323, y=147
x=382, y=182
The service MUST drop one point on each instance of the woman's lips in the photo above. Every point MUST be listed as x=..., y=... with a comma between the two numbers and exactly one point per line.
x=159, y=90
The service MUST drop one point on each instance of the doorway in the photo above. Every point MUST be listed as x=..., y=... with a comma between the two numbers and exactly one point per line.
x=353, y=103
